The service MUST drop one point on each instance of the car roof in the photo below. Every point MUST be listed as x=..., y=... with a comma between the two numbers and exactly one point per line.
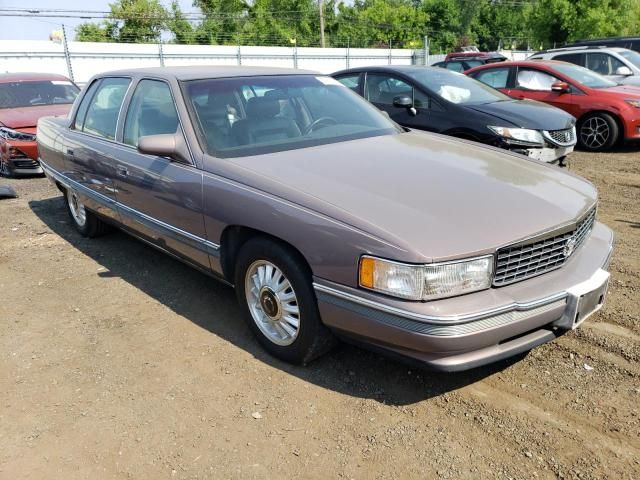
x=519, y=63
x=389, y=68
x=208, y=71
x=30, y=77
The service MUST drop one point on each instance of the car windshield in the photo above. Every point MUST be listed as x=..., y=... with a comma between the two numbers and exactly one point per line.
x=584, y=76
x=255, y=115
x=41, y=92
x=456, y=87
x=633, y=57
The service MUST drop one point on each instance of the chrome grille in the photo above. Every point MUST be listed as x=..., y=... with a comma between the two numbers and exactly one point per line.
x=526, y=260
x=562, y=137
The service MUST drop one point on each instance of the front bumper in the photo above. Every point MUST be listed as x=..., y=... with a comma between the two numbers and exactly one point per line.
x=472, y=330
x=549, y=154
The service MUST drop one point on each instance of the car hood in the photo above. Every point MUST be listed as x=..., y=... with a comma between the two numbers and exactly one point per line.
x=28, y=116
x=432, y=196
x=527, y=114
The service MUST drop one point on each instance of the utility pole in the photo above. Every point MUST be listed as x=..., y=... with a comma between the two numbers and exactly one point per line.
x=321, y=8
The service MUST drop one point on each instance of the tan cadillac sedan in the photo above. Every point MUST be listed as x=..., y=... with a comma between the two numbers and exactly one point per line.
x=329, y=219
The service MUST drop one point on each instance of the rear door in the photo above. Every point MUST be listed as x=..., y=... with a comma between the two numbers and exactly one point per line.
x=159, y=198
x=89, y=145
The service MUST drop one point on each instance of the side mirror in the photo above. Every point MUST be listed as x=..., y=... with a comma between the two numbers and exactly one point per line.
x=560, y=87
x=171, y=145
x=624, y=70
x=402, y=101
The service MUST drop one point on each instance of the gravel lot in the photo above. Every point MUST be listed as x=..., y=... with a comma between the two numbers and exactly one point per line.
x=119, y=362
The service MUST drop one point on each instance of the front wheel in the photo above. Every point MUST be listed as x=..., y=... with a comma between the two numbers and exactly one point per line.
x=275, y=292
x=598, y=132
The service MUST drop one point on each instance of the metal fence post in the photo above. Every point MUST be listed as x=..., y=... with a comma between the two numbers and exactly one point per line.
x=348, y=54
x=160, y=53
x=426, y=50
x=295, y=54
x=239, y=55
x=390, y=54
x=67, y=56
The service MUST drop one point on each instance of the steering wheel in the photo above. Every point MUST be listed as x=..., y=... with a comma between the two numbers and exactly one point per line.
x=326, y=121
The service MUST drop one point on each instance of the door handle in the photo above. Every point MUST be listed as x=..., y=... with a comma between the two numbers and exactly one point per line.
x=70, y=152
x=122, y=170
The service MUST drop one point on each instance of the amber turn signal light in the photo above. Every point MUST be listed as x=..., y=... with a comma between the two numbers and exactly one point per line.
x=367, y=266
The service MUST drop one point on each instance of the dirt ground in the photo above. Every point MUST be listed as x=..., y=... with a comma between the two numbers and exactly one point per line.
x=119, y=362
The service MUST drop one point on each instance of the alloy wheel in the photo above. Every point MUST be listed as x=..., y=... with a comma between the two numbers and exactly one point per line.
x=77, y=209
x=595, y=132
x=272, y=302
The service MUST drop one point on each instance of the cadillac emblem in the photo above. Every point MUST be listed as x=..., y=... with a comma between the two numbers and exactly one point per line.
x=569, y=247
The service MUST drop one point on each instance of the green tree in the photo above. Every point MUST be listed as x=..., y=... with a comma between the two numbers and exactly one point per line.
x=133, y=21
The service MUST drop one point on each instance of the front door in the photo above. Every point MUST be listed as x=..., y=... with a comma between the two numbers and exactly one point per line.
x=535, y=84
x=159, y=198
x=426, y=114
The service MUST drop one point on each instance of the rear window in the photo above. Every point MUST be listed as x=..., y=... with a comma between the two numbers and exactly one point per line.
x=34, y=93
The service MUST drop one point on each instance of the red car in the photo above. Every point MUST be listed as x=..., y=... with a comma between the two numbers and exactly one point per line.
x=24, y=98
x=605, y=111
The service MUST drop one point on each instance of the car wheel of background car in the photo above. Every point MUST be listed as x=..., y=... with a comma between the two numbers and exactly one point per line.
x=87, y=223
x=597, y=132
x=4, y=169
x=273, y=285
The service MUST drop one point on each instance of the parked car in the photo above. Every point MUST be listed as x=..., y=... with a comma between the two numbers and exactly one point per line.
x=24, y=98
x=606, y=112
x=329, y=217
x=450, y=103
x=461, y=61
x=632, y=43
x=618, y=64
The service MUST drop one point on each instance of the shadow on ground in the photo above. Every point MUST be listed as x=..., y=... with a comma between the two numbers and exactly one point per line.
x=202, y=300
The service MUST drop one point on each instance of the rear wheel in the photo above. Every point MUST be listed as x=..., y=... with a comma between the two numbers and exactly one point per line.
x=274, y=289
x=598, y=132
x=85, y=222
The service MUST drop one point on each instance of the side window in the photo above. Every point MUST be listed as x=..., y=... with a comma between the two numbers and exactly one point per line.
x=384, y=88
x=421, y=100
x=151, y=112
x=350, y=81
x=455, y=66
x=576, y=58
x=530, y=79
x=102, y=114
x=496, y=77
x=473, y=64
x=603, y=63
x=84, y=105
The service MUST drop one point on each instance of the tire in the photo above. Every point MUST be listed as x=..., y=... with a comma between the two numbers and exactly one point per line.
x=275, y=292
x=4, y=169
x=598, y=132
x=84, y=221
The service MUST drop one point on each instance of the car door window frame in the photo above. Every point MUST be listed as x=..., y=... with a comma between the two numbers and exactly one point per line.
x=360, y=75
x=507, y=81
x=118, y=119
x=123, y=115
x=414, y=87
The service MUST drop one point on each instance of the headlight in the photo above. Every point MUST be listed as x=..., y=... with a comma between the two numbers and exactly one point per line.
x=519, y=135
x=633, y=102
x=425, y=282
x=9, y=134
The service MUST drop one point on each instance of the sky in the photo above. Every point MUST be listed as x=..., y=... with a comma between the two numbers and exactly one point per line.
x=29, y=28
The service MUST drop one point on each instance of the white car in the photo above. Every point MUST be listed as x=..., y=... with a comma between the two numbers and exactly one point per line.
x=618, y=64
